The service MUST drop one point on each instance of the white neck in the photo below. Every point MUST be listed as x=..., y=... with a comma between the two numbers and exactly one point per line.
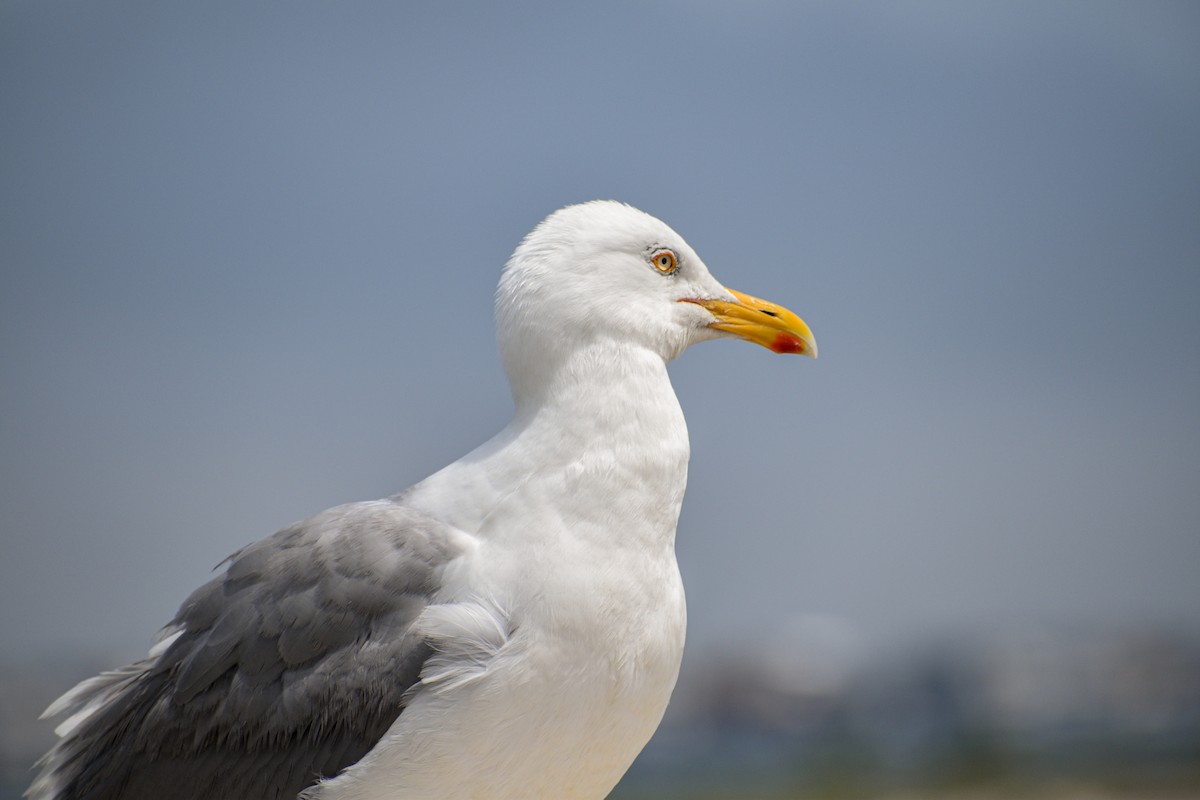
x=605, y=425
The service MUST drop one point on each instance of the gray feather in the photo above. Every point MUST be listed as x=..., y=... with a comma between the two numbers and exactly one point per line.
x=287, y=668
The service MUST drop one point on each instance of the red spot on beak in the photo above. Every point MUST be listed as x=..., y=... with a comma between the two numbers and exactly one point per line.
x=787, y=343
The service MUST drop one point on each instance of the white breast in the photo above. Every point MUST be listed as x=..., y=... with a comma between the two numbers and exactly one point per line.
x=547, y=706
x=560, y=635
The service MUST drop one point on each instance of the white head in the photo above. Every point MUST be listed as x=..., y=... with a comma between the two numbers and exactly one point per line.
x=606, y=273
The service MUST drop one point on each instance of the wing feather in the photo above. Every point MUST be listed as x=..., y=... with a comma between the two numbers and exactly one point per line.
x=286, y=668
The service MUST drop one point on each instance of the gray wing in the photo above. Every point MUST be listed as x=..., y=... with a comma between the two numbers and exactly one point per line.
x=287, y=668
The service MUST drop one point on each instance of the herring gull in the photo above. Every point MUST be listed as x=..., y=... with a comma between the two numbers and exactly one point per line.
x=509, y=627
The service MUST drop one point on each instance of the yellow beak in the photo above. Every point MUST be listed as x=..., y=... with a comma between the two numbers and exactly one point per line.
x=761, y=322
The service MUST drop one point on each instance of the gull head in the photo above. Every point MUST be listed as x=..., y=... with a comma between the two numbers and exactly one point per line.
x=605, y=273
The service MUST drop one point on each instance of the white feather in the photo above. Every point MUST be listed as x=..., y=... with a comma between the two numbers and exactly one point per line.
x=466, y=636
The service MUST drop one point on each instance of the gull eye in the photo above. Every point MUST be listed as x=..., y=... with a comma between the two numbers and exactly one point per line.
x=664, y=261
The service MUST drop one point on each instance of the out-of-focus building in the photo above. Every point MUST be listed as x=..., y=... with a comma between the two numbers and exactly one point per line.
x=1033, y=702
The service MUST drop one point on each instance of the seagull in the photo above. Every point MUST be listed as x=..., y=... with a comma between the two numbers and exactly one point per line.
x=510, y=627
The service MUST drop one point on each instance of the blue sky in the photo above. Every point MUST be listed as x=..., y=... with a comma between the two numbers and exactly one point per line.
x=248, y=255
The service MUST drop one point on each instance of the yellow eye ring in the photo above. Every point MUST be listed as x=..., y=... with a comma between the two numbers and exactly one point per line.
x=664, y=261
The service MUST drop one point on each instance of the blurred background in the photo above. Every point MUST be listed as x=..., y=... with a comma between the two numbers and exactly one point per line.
x=248, y=254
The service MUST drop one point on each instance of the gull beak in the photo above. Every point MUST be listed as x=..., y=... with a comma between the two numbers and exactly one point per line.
x=761, y=322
